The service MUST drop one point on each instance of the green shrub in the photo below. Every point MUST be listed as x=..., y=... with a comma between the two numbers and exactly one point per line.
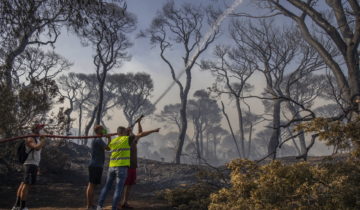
x=332, y=185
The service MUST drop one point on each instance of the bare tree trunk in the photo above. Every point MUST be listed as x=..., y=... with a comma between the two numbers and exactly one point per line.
x=207, y=153
x=295, y=144
x=295, y=113
x=215, y=144
x=92, y=119
x=231, y=130
x=250, y=141
x=80, y=122
x=198, y=151
x=274, y=139
x=184, y=92
x=103, y=124
x=101, y=97
x=182, y=135
x=241, y=127
x=303, y=149
x=68, y=114
x=10, y=58
x=202, y=151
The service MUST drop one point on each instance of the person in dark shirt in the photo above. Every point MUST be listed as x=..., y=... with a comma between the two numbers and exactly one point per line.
x=131, y=174
x=96, y=165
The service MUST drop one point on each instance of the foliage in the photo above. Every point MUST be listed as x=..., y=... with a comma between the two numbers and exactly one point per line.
x=206, y=115
x=330, y=185
x=132, y=94
x=341, y=134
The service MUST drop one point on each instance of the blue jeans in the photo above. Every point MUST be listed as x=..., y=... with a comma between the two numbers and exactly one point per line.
x=120, y=173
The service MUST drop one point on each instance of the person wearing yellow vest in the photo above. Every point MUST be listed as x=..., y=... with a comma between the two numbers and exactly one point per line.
x=119, y=164
x=131, y=175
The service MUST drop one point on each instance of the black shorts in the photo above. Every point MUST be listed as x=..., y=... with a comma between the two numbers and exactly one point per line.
x=95, y=174
x=30, y=174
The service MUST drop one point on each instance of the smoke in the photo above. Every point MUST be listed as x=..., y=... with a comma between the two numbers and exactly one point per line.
x=207, y=36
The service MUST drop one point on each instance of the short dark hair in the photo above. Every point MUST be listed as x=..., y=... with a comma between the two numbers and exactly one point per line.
x=98, y=129
x=121, y=129
x=37, y=127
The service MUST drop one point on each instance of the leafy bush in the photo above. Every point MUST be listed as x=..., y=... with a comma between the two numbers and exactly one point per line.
x=330, y=185
x=341, y=134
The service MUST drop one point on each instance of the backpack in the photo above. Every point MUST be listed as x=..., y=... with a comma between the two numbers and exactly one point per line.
x=21, y=152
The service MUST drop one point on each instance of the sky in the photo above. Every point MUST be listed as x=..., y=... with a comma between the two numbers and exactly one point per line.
x=146, y=58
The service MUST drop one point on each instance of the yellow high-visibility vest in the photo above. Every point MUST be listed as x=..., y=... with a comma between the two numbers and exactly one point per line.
x=120, y=151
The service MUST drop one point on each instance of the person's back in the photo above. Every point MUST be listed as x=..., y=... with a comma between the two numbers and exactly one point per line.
x=120, y=151
x=96, y=165
x=34, y=156
x=97, y=150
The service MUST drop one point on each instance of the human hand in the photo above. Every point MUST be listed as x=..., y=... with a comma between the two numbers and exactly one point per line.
x=129, y=131
x=42, y=135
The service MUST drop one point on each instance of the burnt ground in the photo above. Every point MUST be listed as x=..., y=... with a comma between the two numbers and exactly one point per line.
x=67, y=190
x=69, y=193
x=71, y=196
x=64, y=177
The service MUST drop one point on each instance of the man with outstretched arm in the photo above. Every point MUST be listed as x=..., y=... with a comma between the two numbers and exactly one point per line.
x=98, y=147
x=119, y=164
x=131, y=176
x=33, y=147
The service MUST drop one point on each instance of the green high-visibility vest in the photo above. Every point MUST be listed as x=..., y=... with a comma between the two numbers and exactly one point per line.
x=120, y=151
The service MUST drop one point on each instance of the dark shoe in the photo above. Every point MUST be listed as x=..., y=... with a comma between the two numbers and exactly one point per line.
x=92, y=207
x=126, y=206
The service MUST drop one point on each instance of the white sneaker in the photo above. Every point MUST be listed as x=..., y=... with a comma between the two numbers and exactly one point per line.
x=25, y=208
x=99, y=208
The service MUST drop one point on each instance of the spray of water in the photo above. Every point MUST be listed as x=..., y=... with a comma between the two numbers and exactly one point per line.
x=207, y=36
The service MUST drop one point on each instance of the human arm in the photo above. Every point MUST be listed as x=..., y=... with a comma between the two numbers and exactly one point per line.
x=139, y=124
x=146, y=133
x=30, y=142
x=106, y=146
